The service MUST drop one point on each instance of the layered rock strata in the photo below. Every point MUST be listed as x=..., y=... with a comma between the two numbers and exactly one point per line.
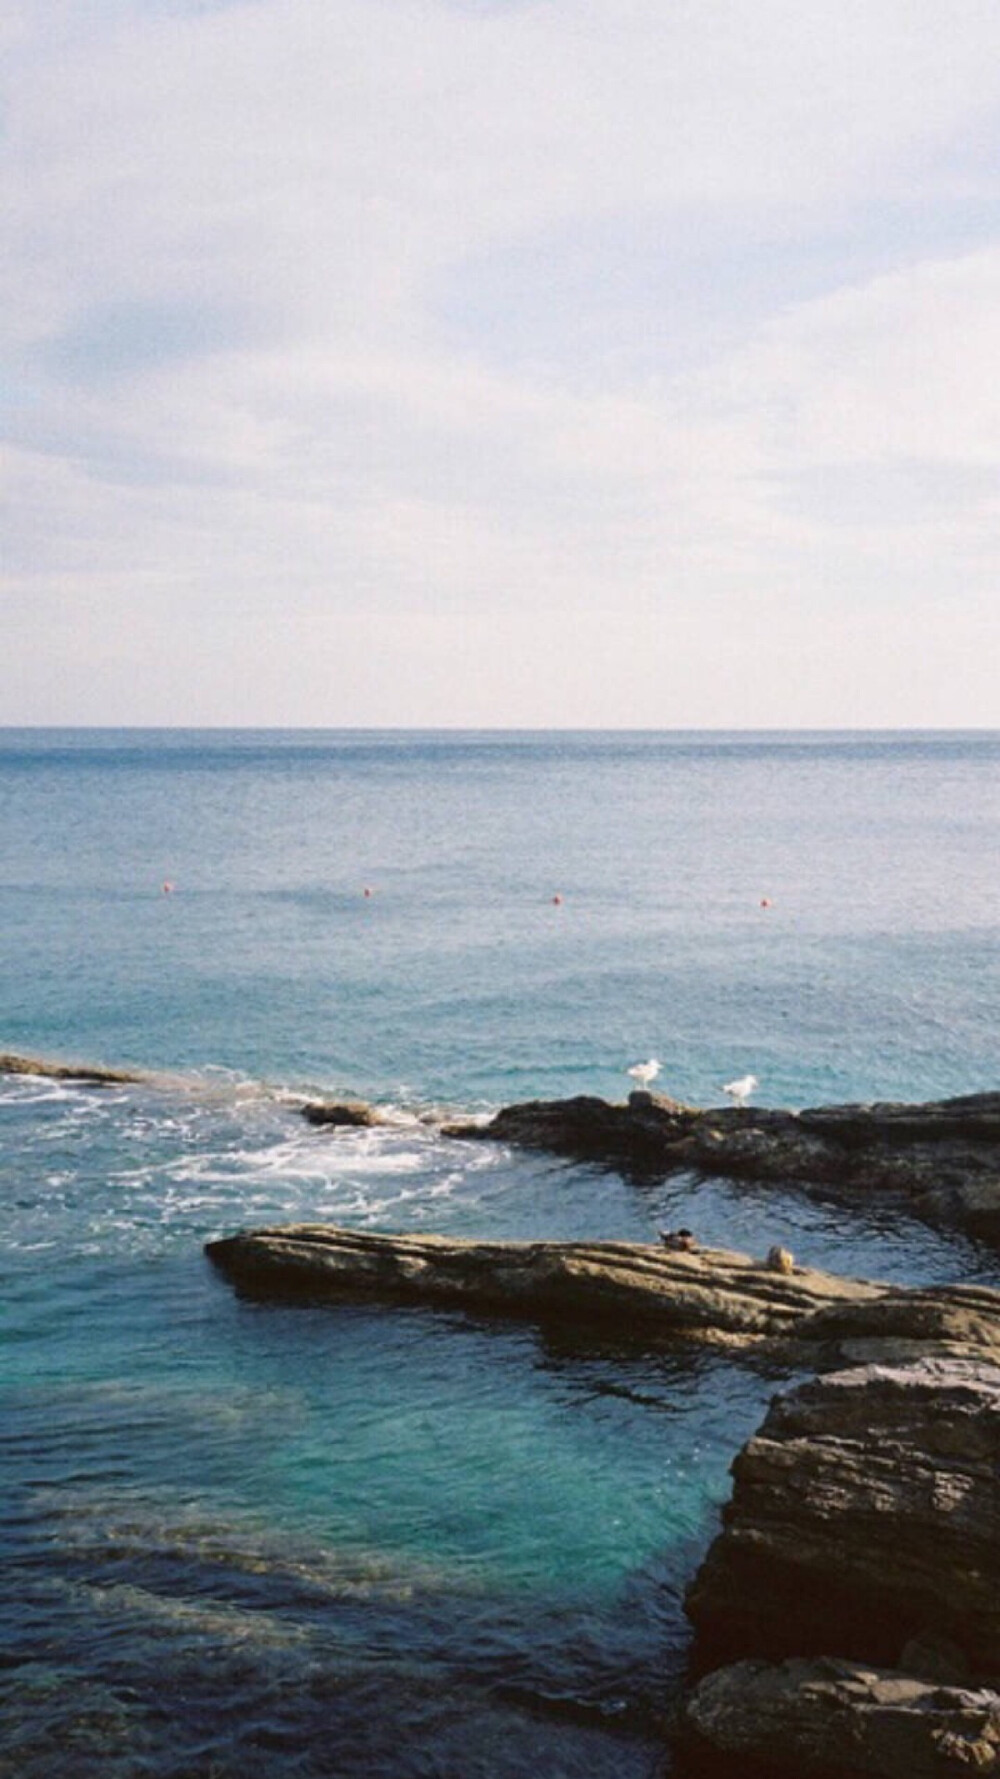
x=711, y=1296
x=851, y=1604
x=714, y=1296
x=866, y=1509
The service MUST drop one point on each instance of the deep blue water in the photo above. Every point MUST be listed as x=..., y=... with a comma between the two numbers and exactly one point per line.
x=246, y=1540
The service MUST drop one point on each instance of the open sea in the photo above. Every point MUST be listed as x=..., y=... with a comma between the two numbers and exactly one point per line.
x=247, y=1541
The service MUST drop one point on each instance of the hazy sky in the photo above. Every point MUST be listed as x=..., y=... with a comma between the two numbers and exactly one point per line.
x=488, y=362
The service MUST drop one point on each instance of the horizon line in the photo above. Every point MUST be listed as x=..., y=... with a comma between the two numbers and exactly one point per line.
x=496, y=729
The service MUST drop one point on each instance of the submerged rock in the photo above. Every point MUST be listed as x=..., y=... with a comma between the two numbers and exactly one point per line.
x=943, y=1156
x=828, y=1717
x=865, y=1513
x=351, y=1114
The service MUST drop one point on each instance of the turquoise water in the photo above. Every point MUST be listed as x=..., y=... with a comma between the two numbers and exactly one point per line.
x=256, y=1540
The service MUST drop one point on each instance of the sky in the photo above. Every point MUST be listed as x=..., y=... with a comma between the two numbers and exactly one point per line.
x=500, y=363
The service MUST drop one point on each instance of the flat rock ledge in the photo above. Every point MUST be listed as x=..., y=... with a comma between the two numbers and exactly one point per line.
x=848, y=1614
x=91, y=1074
x=942, y=1156
x=711, y=1296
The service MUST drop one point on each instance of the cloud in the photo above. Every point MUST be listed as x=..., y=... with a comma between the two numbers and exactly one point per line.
x=436, y=333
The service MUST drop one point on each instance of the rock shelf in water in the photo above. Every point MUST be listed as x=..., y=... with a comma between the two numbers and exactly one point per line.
x=942, y=1156
x=90, y=1074
x=710, y=1296
x=847, y=1618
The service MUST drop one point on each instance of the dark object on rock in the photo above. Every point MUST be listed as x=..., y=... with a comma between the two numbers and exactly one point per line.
x=830, y=1717
x=91, y=1075
x=780, y=1259
x=865, y=1512
x=682, y=1241
x=942, y=1157
x=345, y=1113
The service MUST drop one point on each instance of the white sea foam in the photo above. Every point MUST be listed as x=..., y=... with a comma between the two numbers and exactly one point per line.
x=29, y=1090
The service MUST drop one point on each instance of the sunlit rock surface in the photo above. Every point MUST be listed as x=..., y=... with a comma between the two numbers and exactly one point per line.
x=865, y=1512
x=710, y=1295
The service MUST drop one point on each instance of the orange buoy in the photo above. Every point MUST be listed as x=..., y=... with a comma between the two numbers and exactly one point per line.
x=167, y=889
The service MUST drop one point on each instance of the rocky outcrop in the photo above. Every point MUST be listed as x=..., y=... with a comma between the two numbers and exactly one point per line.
x=91, y=1074
x=827, y=1718
x=853, y=1595
x=847, y=1619
x=943, y=1156
x=865, y=1512
x=797, y=1317
x=713, y=1296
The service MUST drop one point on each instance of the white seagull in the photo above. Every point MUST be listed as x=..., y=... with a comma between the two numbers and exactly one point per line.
x=740, y=1091
x=644, y=1072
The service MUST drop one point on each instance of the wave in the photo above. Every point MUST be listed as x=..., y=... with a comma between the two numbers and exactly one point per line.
x=218, y=1082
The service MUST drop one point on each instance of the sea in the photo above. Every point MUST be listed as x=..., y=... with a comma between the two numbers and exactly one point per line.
x=244, y=1540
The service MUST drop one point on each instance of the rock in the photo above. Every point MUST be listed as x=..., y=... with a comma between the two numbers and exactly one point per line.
x=92, y=1075
x=709, y=1295
x=650, y=1126
x=830, y=1718
x=957, y=1321
x=348, y=1113
x=865, y=1512
x=943, y=1157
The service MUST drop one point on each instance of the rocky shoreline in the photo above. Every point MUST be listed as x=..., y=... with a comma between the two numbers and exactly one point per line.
x=846, y=1619
x=708, y=1296
x=832, y=1719
x=941, y=1157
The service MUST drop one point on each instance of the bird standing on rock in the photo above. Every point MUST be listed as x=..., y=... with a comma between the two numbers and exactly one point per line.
x=644, y=1072
x=740, y=1091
